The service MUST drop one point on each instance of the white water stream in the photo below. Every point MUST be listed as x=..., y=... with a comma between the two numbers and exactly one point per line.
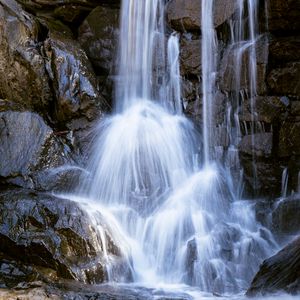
x=182, y=222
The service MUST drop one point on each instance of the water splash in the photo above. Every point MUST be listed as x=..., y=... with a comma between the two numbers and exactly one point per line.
x=182, y=221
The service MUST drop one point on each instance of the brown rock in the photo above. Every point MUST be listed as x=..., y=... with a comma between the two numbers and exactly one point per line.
x=186, y=14
x=23, y=77
x=289, y=139
x=98, y=35
x=190, y=56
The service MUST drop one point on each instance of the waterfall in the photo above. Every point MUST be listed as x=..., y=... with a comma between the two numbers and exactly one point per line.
x=209, y=51
x=183, y=221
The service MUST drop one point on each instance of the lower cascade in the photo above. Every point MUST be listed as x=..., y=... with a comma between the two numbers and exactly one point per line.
x=179, y=215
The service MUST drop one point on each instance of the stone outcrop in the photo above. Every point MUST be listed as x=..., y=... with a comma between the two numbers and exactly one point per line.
x=51, y=238
x=28, y=147
x=185, y=15
x=280, y=273
x=285, y=216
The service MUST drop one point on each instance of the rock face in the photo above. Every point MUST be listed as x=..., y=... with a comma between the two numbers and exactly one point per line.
x=28, y=146
x=281, y=272
x=185, y=15
x=285, y=216
x=23, y=76
x=54, y=238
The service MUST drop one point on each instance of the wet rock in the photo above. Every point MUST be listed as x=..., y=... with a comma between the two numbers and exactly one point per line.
x=234, y=59
x=66, y=10
x=185, y=15
x=98, y=35
x=285, y=49
x=262, y=176
x=259, y=144
x=285, y=80
x=285, y=216
x=28, y=146
x=73, y=78
x=289, y=141
x=190, y=56
x=284, y=16
x=57, y=238
x=266, y=109
x=69, y=290
x=281, y=272
x=23, y=77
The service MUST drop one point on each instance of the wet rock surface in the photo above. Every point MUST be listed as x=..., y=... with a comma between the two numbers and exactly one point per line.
x=281, y=272
x=42, y=236
x=285, y=216
x=28, y=147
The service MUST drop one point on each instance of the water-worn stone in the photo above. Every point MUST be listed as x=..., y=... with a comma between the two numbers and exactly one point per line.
x=23, y=77
x=98, y=35
x=58, y=238
x=186, y=14
x=233, y=59
x=285, y=216
x=28, y=146
x=72, y=75
x=285, y=80
x=278, y=273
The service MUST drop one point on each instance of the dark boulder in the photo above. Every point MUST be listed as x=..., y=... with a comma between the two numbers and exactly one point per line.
x=285, y=80
x=281, y=272
x=289, y=138
x=68, y=11
x=72, y=75
x=259, y=144
x=98, y=36
x=283, y=16
x=58, y=238
x=23, y=76
x=28, y=146
x=284, y=49
x=285, y=216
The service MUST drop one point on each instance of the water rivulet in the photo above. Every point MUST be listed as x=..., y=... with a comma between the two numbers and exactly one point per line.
x=175, y=205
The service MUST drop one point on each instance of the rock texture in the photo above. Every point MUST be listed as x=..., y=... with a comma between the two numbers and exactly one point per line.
x=281, y=272
x=46, y=237
x=28, y=147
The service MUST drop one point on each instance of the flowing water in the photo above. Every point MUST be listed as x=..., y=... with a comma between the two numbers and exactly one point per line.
x=180, y=217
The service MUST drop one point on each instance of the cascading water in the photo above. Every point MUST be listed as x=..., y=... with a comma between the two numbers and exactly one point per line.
x=182, y=222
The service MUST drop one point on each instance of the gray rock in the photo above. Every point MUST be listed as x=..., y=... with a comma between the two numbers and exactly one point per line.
x=28, y=146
